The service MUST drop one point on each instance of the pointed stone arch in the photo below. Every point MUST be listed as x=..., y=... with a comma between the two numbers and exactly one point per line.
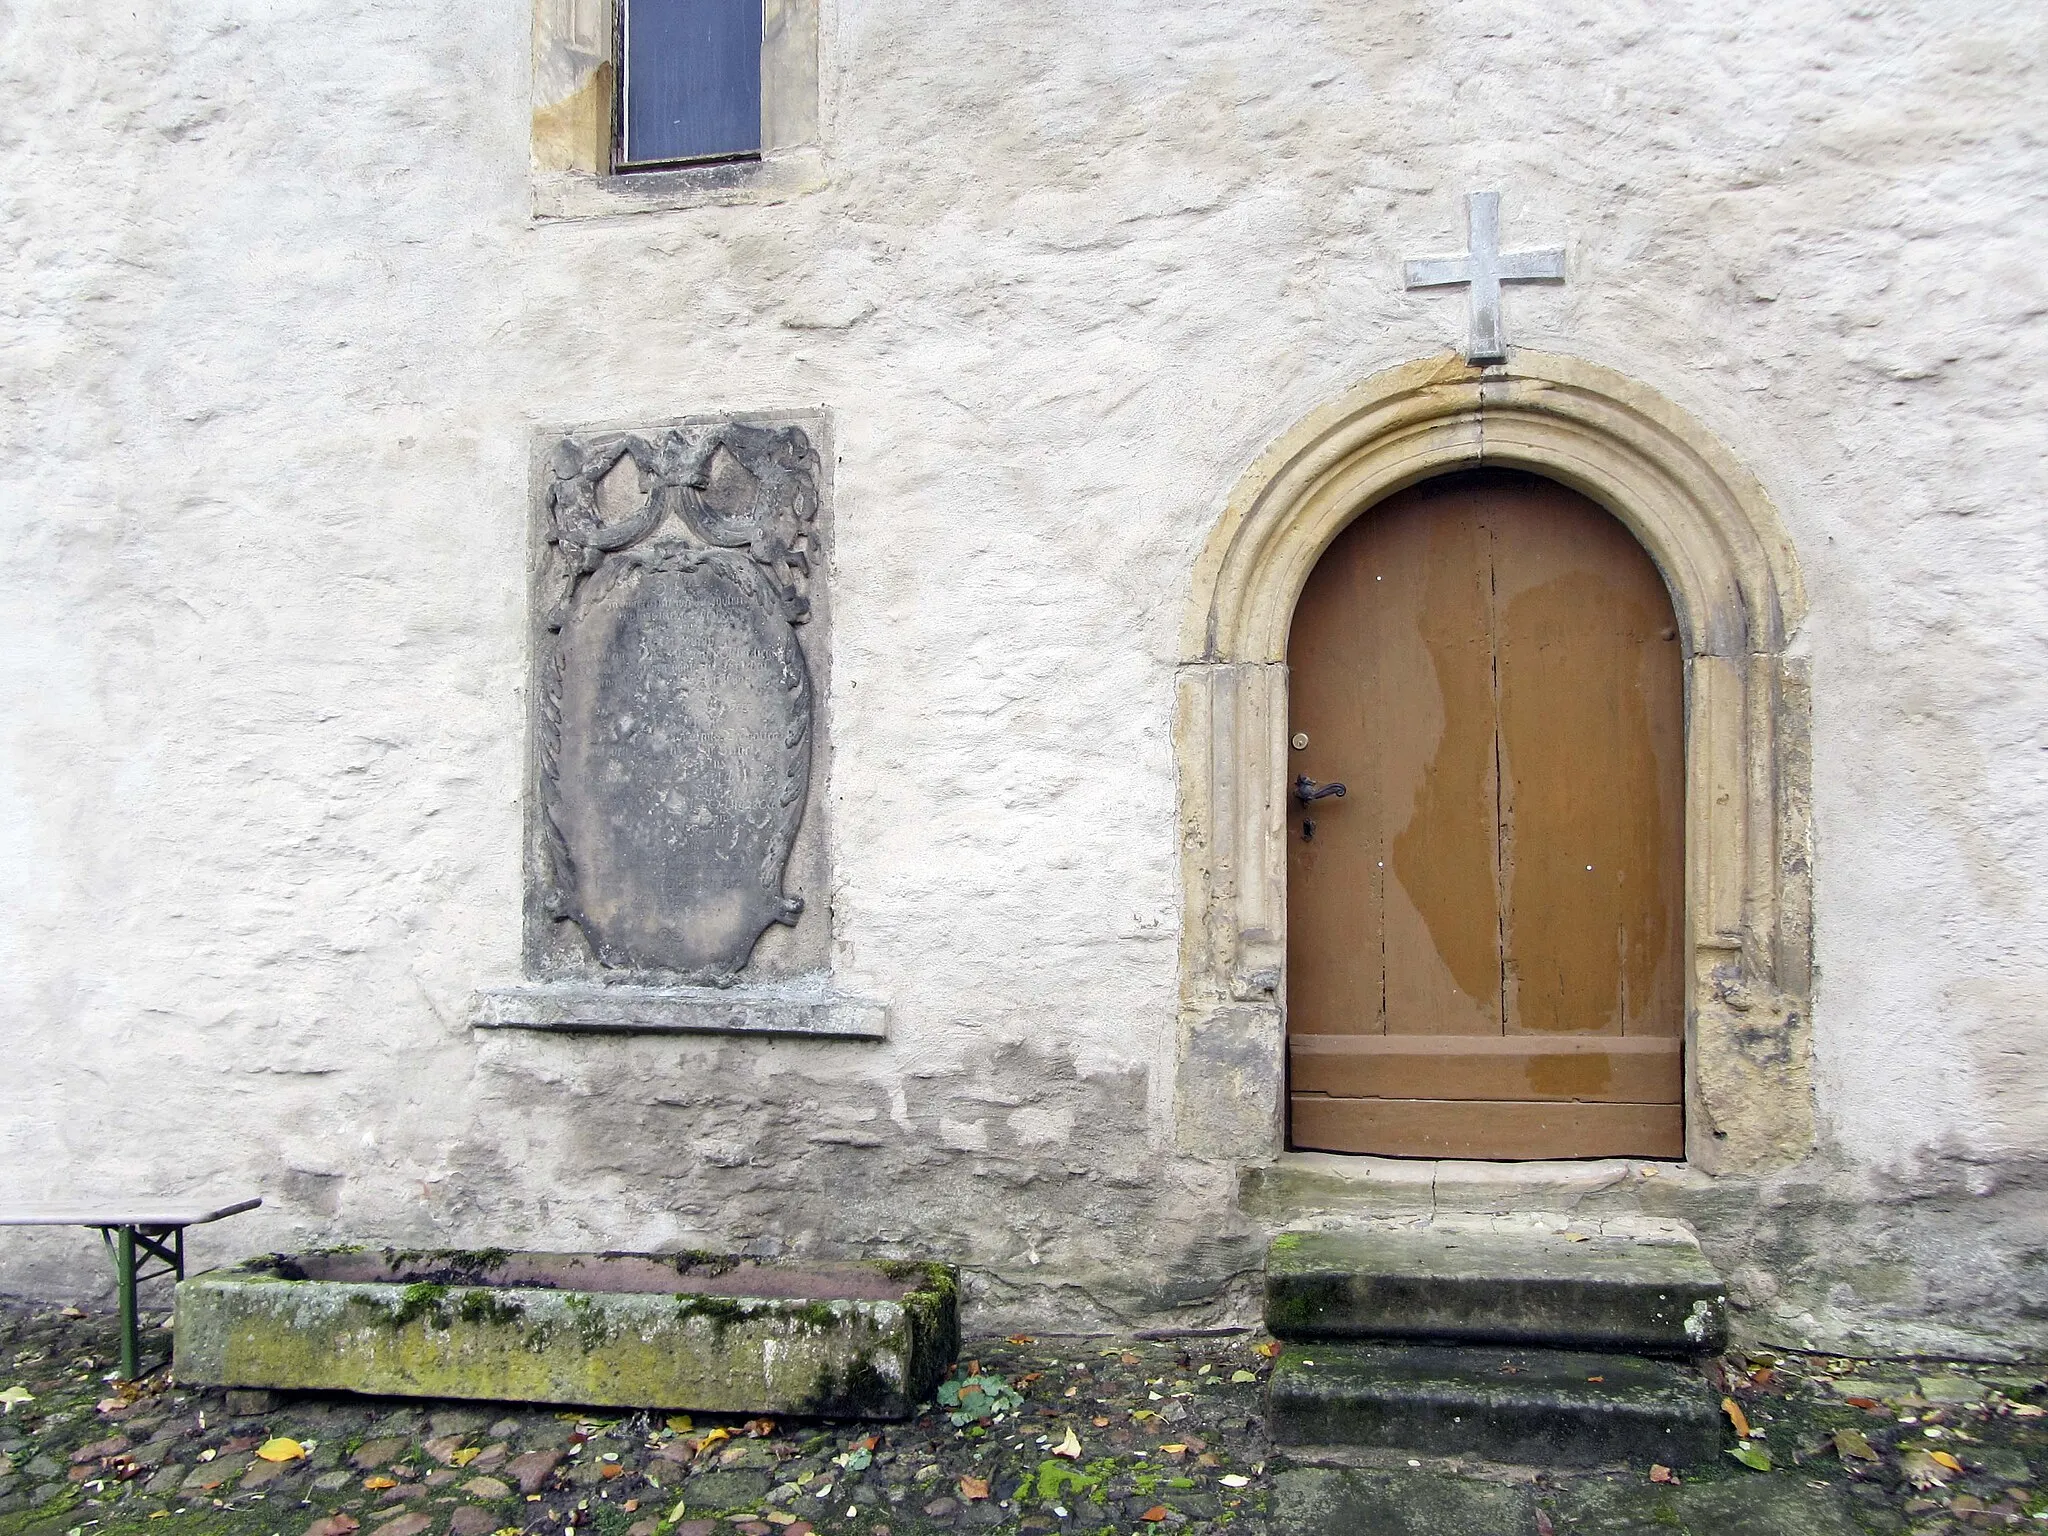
x=1736, y=590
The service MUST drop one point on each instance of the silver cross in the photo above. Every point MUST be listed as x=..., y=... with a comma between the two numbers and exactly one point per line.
x=1486, y=266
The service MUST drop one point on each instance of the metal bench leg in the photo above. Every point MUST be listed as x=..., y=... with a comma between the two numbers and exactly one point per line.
x=132, y=1247
x=124, y=1276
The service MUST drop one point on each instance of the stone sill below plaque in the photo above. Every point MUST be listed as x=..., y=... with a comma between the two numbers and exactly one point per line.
x=763, y=1009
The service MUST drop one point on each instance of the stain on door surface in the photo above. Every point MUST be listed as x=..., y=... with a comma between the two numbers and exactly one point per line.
x=1484, y=932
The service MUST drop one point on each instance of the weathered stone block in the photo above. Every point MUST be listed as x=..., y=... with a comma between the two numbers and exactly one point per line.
x=620, y=1330
x=1521, y=1286
x=1536, y=1407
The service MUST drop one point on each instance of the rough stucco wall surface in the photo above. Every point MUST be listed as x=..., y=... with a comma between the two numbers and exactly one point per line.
x=275, y=327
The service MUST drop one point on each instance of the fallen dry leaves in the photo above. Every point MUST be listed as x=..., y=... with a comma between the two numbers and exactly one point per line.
x=1736, y=1417
x=1923, y=1470
x=972, y=1488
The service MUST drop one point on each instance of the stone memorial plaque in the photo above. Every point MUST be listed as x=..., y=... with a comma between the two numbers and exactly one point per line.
x=675, y=714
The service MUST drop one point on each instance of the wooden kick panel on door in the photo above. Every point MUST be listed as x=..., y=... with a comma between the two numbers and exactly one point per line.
x=1490, y=663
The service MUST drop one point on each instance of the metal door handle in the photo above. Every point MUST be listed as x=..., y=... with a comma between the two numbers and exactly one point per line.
x=1307, y=791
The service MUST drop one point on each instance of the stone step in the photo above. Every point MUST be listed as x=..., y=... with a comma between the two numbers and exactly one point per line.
x=1533, y=1407
x=1515, y=1286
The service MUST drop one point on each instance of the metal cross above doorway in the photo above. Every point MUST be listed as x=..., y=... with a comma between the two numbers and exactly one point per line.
x=1483, y=268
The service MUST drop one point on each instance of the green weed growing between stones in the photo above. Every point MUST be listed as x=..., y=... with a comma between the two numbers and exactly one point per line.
x=984, y=1398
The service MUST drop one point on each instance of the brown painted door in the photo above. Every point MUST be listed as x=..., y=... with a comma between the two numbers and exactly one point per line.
x=1484, y=933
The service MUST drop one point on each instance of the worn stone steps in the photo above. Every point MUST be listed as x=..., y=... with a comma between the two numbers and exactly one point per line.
x=1498, y=1339
x=1542, y=1407
x=1528, y=1287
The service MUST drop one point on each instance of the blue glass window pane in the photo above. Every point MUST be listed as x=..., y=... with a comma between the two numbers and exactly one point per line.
x=692, y=79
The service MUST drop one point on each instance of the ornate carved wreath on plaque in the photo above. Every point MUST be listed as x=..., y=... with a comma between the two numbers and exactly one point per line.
x=673, y=725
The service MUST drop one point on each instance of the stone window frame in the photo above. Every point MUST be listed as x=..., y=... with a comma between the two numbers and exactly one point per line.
x=575, y=100
x=1736, y=589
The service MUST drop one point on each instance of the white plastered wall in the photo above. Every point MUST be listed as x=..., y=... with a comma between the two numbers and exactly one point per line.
x=277, y=321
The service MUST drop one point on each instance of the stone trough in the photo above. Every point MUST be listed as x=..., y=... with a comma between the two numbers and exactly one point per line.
x=708, y=1333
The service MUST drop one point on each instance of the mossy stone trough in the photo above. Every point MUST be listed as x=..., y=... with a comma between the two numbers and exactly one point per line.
x=697, y=1331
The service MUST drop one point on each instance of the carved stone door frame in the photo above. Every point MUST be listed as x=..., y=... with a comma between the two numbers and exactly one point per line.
x=1736, y=589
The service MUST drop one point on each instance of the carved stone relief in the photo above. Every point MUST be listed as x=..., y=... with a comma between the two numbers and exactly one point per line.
x=675, y=712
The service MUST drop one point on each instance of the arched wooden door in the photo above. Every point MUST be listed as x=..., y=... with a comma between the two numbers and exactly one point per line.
x=1485, y=932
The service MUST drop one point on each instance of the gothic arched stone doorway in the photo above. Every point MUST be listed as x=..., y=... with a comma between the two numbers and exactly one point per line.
x=1736, y=598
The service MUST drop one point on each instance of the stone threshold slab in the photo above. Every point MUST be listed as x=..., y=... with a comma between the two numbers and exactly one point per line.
x=702, y=1332
x=571, y=1008
x=1530, y=1407
x=1297, y=1185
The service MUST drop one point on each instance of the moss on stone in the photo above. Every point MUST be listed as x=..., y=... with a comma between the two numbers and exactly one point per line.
x=932, y=1312
x=443, y=1266
x=722, y=1312
x=1299, y=1305
x=593, y=1330
x=700, y=1261
x=489, y=1308
x=852, y=1390
x=815, y=1314
x=798, y=1354
x=421, y=1300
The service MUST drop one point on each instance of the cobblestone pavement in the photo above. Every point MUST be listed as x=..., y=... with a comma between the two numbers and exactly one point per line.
x=1097, y=1435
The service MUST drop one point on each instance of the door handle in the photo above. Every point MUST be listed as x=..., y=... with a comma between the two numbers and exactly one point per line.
x=1308, y=791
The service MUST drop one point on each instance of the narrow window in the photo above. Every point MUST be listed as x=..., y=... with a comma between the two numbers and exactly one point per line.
x=689, y=81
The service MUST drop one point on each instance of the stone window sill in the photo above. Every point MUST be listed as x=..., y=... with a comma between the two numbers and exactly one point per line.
x=776, y=177
x=805, y=1011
